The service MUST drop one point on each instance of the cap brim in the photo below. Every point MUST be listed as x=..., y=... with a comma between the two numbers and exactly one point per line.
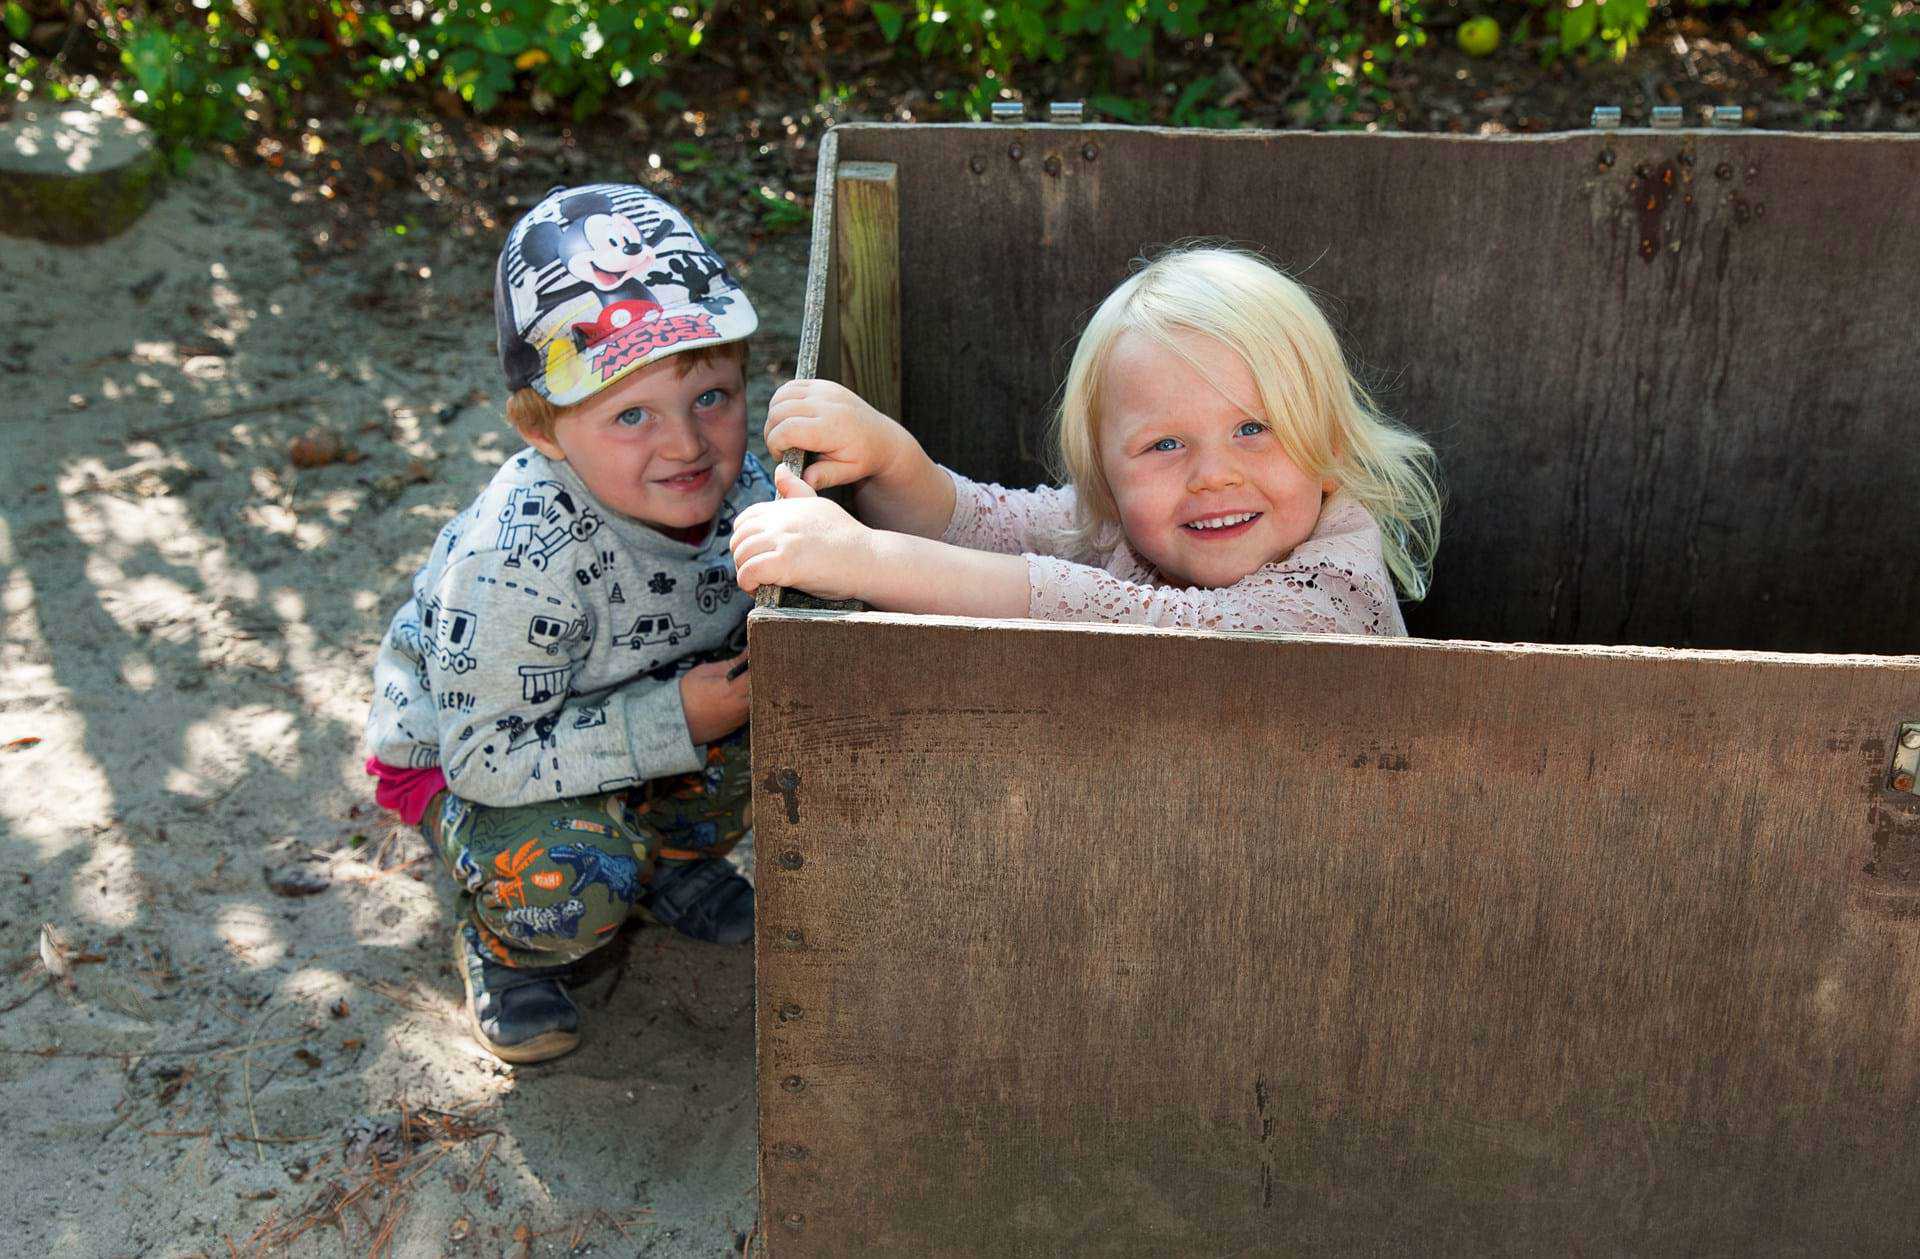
x=673, y=330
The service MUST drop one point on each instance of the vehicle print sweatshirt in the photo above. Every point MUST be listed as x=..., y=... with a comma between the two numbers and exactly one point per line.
x=541, y=652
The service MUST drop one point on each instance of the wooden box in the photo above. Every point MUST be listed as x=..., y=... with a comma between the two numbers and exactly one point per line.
x=1585, y=922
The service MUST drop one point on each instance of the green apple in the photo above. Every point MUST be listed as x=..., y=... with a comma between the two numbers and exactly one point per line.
x=1479, y=36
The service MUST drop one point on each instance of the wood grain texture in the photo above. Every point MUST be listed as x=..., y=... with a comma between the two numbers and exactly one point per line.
x=866, y=222
x=1670, y=374
x=1121, y=942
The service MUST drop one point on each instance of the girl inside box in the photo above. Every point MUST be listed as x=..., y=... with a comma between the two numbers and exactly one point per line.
x=1220, y=468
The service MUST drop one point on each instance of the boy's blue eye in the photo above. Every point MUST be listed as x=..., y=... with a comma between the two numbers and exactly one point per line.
x=1252, y=428
x=632, y=416
x=1166, y=443
x=711, y=398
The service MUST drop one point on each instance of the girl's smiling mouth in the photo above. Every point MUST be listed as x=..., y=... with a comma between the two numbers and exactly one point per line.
x=1224, y=525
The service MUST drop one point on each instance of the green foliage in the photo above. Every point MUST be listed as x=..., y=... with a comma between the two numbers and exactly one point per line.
x=570, y=50
x=780, y=213
x=196, y=81
x=1592, y=28
x=211, y=70
x=1837, y=51
x=1338, y=50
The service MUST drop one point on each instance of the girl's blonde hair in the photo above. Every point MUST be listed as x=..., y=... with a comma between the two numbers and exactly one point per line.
x=1325, y=420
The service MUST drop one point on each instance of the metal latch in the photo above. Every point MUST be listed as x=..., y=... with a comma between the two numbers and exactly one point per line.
x=1906, y=759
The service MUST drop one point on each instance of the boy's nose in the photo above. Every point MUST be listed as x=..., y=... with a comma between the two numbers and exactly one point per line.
x=680, y=439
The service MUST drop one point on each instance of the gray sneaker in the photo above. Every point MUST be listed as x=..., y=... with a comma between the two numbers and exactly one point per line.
x=704, y=898
x=519, y=1013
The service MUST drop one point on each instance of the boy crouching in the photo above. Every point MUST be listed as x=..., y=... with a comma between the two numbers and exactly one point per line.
x=554, y=706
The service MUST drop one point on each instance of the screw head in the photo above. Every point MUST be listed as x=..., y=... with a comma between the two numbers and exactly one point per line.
x=1089, y=151
x=977, y=164
x=1605, y=160
x=795, y=937
x=1052, y=164
x=1903, y=782
x=791, y=860
x=794, y=1221
x=789, y=1013
x=1015, y=152
x=1723, y=171
x=1911, y=739
x=793, y=1084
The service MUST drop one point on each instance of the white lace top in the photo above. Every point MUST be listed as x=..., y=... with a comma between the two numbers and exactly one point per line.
x=1335, y=582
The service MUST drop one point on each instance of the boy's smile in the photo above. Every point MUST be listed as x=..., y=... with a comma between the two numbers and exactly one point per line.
x=661, y=445
x=1205, y=493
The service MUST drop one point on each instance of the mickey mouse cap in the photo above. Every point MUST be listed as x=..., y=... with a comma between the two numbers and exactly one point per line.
x=597, y=281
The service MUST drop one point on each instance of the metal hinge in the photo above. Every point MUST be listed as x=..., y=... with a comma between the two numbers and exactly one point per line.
x=1667, y=117
x=1060, y=113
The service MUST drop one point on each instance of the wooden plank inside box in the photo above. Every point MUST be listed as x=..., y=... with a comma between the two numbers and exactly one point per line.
x=1671, y=375
x=1084, y=940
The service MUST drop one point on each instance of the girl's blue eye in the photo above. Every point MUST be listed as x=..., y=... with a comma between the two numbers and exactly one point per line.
x=1252, y=428
x=632, y=416
x=1166, y=443
x=711, y=398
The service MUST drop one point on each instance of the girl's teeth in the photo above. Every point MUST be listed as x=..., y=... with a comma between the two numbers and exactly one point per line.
x=1223, y=522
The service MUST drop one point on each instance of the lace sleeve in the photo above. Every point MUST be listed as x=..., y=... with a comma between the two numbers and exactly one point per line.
x=1318, y=599
x=993, y=518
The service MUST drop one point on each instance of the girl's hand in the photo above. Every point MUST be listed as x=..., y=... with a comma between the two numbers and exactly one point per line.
x=803, y=541
x=850, y=441
x=715, y=707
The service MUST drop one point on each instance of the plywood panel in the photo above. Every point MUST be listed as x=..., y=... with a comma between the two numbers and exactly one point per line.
x=1118, y=942
x=1671, y=374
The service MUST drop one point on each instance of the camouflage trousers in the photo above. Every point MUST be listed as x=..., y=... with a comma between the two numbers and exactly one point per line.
x=545, y=884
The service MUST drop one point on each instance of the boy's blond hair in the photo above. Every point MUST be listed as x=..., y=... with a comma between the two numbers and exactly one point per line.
x=1325, y=420
x=533, y=416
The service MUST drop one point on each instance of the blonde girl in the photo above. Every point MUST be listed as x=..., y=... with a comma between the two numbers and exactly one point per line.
x=1220, y=467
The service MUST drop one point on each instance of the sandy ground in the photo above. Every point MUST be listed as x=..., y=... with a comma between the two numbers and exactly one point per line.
x=188, y=623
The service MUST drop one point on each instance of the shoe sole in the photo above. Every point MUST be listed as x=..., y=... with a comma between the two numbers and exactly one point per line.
x=542, y=1048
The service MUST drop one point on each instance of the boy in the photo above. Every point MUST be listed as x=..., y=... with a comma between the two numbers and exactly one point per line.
x=557, y=705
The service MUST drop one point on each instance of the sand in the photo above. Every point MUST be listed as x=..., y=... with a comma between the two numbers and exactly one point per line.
x=188, y=625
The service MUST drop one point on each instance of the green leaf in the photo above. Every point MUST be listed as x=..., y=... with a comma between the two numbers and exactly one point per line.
x=1183, y=107
x=1119, y=107
x=149, y=55
x=890, y=19
x=503, y=41
x=1577, y=26
x=18, y=23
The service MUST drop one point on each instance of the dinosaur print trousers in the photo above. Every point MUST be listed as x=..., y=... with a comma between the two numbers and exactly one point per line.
x=546, y=884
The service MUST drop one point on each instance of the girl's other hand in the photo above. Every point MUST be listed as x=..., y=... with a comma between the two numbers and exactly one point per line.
x=850, y=441
x=803, y=541
x=715, y=707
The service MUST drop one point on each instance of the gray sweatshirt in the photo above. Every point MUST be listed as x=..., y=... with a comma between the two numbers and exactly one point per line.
x=541, y=652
